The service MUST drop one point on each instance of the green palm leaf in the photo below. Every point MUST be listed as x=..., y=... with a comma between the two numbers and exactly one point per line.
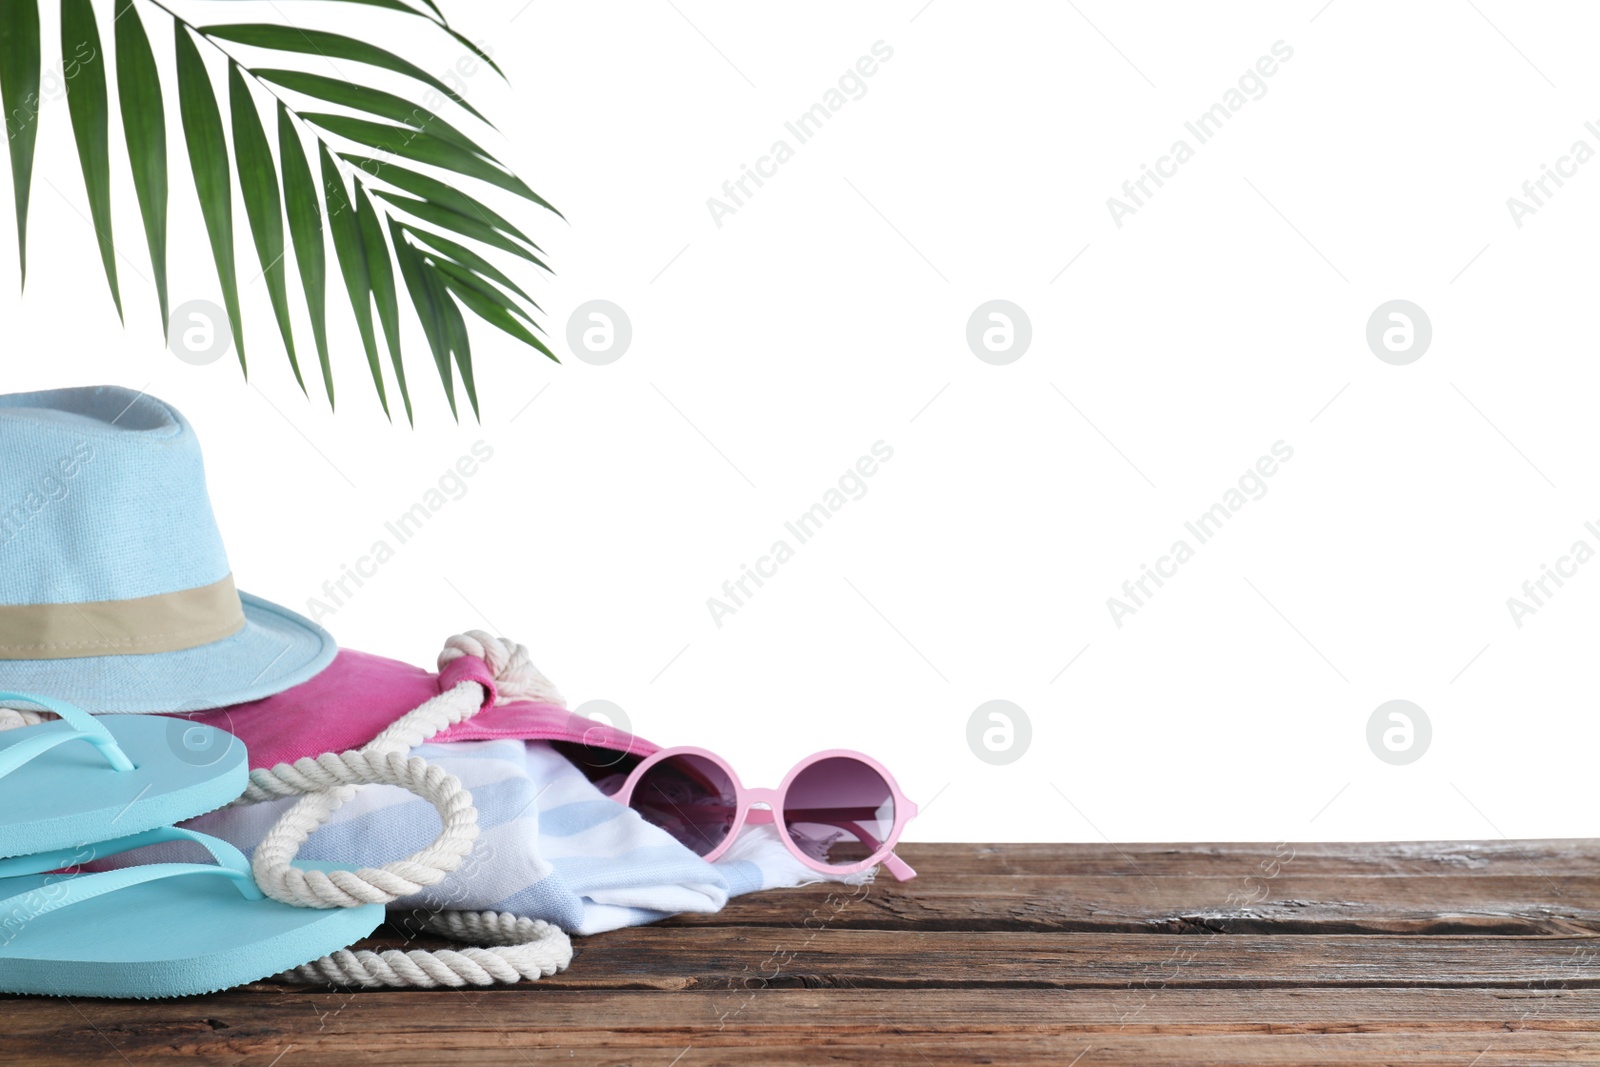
x=457, y=275
x=352, y=254
x=208, y=159
x=258, y=182
x=375, y=252
x=469, y=259
x=429, y=310
x=456, y=330
x=396, y=5
x=381, y=276
x=437, y=192
x=86, y=104
x=423, y=147
x=439, y=215
x=19, y=92
x=331, y=46
x=488, y=303
x=374, y=101
x=363, y=207
x=305, y=232
x=144, y=128
x=475, y=50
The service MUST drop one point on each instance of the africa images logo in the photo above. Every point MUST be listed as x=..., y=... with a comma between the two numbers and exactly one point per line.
x=50, y=489
x=851, y=85
x=1203, y=128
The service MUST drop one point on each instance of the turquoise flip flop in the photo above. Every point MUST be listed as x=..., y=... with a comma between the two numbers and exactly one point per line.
x=160, y=930
x=86, y=778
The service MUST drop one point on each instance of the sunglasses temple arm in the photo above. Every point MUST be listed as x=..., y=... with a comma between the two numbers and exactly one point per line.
x=899, y=868
x=896, y=866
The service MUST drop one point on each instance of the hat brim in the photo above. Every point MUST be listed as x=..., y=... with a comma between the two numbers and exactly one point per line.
x=276, y=650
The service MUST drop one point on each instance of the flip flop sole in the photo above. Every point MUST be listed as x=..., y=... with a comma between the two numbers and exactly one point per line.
x=69, y=796
x=166, y=939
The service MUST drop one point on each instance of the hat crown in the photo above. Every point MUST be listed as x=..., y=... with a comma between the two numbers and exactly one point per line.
x=102, y=497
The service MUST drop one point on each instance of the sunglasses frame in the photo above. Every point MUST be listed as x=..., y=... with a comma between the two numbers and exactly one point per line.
x=905, y=809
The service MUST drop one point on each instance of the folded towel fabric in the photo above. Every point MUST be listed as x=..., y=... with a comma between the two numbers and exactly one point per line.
x=552, y=845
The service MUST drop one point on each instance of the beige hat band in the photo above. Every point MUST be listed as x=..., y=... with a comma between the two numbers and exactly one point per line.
x=165, y=622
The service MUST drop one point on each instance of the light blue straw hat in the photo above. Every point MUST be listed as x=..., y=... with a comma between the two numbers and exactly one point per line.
x=115, y=591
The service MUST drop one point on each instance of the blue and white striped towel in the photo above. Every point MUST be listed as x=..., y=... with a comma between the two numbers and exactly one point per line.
x=552, y=845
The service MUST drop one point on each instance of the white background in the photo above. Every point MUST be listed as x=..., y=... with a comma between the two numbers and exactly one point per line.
x=829, y=312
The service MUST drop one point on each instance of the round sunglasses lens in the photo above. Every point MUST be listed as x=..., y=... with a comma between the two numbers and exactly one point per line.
x=689, y=797
x=839, y=811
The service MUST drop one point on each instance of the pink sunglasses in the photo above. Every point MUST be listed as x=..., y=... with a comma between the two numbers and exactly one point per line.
x=838, y=811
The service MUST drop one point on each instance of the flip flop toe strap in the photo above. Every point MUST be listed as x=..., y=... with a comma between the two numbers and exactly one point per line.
x=75, y=889
x=84, y=727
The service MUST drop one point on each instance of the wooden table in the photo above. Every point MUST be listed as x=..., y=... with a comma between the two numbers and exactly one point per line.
x=1472, y=954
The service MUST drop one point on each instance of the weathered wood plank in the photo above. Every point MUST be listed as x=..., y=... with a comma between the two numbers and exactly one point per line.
x=1505, y=888
x=821, y=1026
x=650, y=958
x=1459, y=953
x=670, y=959
x=369, y=1016
x=1293, y=902
x=828, y=1050
x=1534, y=858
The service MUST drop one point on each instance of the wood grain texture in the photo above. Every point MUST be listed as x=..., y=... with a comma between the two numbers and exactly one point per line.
x=1461, y=953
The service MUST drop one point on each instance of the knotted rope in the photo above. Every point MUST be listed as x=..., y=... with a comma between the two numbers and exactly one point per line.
x=518, y=949
x=16, y=718
x=521, y=949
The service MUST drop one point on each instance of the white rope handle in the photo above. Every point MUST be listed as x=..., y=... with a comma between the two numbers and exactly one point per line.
x=327, y=781
x=519, y=949
x=515, y=676
x=460, y=702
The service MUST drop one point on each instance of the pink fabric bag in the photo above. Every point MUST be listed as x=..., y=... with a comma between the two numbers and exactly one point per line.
x=358, y=695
